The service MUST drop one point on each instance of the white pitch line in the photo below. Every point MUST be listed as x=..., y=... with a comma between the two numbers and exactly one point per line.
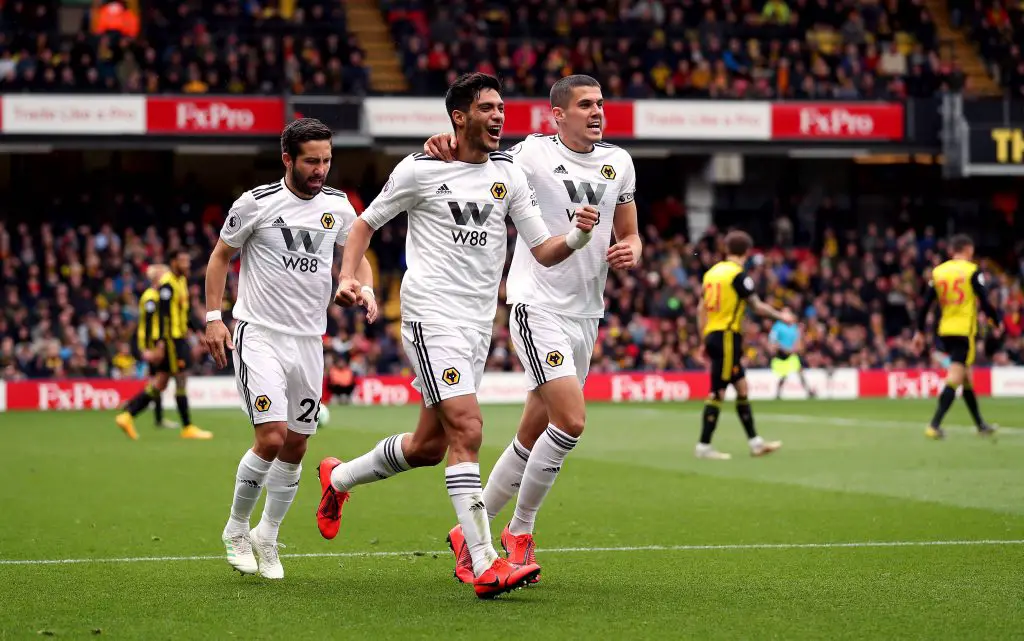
x=764, y=415
x=868, y=422
x=569, y=550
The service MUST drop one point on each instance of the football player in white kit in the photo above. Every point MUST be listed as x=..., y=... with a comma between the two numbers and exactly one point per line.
x=290, y=233
x=455, y=249
x=555, y=312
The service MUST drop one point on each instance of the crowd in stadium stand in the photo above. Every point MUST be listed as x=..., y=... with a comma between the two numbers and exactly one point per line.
x=223, y=47
x=71, y=298
x=679, y=48
x=995, y=26
x=642, y=49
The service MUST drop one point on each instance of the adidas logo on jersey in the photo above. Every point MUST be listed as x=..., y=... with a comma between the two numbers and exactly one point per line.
x=443, y=191
x=561, y=170
x=279, y=222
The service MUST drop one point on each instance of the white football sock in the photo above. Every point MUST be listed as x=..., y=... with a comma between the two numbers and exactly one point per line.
x=249, y=482
x=383, y=461
x=542, y=469
x=463, y=481
x=504, y=480
x=282, y=485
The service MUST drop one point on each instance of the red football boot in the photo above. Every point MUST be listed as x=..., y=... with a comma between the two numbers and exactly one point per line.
x=520, y=550
x=463, y=561
x=328, y=514
x=503, y=577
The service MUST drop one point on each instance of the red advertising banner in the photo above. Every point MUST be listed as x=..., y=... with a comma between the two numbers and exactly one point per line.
x=78, y=394
x=627, y=387
x=837, y=121
x=915, y=383
x=216, y=116
x=386, y=390
x=525, y=117
x=510, y=387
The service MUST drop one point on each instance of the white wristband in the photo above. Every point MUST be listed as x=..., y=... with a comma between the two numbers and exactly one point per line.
x=366, y=289
x=213, y=316
x=577, y=239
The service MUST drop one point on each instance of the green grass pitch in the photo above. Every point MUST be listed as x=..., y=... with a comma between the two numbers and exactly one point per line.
x=638, y=539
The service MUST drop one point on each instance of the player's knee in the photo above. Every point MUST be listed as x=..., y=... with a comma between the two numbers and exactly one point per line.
x=572, y=422
x=270, y=438
x=715, y=396
x=466, y=430
x=293, y=449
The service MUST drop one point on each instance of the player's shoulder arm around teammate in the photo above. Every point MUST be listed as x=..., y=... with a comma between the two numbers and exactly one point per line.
x=400, y=193
x=521, y=159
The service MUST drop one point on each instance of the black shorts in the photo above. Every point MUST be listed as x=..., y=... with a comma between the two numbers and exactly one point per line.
x=724, y=350
x=177, y=357
x=960, y=349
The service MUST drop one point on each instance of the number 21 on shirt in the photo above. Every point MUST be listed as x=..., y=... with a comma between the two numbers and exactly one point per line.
x=712, y=296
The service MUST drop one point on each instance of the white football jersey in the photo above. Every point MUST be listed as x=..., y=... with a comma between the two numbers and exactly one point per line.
x=287, y=247
x=455, y=247
x=563, y=180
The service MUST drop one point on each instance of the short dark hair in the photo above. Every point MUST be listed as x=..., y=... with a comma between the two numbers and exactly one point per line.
x=960, y=242
x=303, y=130
x=466, y=89
x=561, y=91
x=738, y=243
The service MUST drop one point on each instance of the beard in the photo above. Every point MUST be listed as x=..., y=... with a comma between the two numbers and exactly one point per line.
x=301, y=183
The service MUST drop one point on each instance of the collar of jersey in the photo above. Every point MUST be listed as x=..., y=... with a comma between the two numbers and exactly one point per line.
x=284, y=183
x=561, y=143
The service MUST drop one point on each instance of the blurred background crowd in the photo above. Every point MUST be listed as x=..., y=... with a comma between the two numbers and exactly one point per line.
x=70, y=285
x=71, y=298
x=638, y=49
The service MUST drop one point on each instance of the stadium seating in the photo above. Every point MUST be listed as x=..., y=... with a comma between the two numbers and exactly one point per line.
x=679, y=48
x=995, y=28
x=191, y=47
x=774, y=49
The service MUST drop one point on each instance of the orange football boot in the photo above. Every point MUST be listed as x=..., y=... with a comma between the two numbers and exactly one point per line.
x=503, y=577
x=463, y=560
x=125, y=421
x=520, y=550
x=328, y=514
